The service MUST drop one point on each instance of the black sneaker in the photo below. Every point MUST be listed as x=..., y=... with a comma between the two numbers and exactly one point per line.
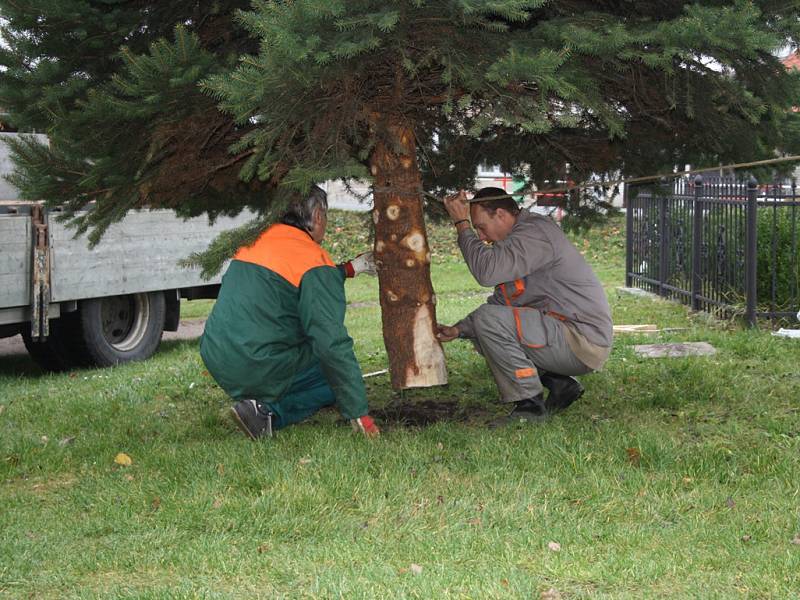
x=251, y=420
x=530, y=410
x=564, y=390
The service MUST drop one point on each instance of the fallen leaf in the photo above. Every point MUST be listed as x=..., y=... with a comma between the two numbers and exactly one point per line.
x=475, y=522
x=402, y=571
x=634, y=456
x=554, y=546
x=504, y=582
x=263, y=548
x=439, y=499
x=730, y=503
x=220, y=469
x=66, y=441
x=415, y=569
x=123, y=459
x=217, y=503
x=796, y=540
x=687, y=480
x=129, y=477
x=551, y=594
x=305, y=460
x=155, y=504
x=747, y=538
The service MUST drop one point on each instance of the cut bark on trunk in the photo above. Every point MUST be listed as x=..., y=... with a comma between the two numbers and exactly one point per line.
x=408, y=304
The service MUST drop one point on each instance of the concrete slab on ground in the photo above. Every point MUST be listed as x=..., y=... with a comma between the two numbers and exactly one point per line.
x=630, y=291
x=675, y=350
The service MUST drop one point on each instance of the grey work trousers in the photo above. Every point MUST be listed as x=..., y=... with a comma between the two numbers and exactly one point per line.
x=515, y=363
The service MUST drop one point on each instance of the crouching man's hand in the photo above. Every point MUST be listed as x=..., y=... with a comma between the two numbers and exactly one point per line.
x=366, y=426
x=446, y=333
x=457, y=207
x=363, y=263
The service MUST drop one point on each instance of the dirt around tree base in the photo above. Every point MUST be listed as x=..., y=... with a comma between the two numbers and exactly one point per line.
x=406, y=413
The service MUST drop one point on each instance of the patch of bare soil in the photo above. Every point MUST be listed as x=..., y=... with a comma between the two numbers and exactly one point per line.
x=421, y=413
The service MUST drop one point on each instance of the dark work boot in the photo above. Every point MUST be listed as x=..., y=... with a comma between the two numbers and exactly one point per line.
x=564, y=390
x=530, y=410
x=251, y=420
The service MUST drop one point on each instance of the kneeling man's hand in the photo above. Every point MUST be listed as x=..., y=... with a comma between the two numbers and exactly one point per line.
x=363, y=263
x=446, y=333
x=366, y=426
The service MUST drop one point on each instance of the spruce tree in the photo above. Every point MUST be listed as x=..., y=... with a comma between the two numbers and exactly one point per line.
x=410, y=94
x=114, y=85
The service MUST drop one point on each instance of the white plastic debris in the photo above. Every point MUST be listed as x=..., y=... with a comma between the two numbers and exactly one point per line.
x=789, y=333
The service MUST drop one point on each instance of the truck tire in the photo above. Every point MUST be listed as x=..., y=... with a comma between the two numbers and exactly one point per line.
x=119, y=329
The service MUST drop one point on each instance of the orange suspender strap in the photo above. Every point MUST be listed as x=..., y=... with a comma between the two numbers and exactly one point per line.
x=519, y=287
x=505, y=295
x=517, y=320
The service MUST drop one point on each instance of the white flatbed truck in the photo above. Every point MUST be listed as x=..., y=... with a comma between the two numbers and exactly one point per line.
x=75, y=306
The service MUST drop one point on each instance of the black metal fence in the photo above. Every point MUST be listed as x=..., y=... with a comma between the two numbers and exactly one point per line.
x=723, y=245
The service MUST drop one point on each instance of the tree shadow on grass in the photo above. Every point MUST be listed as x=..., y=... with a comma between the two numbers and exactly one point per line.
x=20, y=365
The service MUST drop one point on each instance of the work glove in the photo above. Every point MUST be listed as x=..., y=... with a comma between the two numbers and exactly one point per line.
x=366, y=426
x=363, y=263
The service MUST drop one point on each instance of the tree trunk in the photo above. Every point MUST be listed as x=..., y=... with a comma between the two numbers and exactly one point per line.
x=408, y=303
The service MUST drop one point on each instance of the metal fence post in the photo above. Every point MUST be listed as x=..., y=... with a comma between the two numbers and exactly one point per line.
x=751, y=252
x=628, y=236
x=664, y=238
x=697, y=238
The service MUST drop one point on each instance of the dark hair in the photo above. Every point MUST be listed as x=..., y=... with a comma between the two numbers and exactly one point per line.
x=506, y=202
x=300, y=213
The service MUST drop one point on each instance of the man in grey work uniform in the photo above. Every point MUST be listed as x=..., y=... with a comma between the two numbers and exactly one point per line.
x=548, y=318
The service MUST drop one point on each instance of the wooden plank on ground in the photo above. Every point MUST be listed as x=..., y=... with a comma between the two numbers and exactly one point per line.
x=648, y=328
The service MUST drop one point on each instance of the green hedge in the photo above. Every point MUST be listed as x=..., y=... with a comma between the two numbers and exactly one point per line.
x=781, y=224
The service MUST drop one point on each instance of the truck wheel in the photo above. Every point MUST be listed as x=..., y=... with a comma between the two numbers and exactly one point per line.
x=120, y=329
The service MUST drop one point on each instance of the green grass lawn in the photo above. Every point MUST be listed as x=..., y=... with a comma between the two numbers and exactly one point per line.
x=670, y=478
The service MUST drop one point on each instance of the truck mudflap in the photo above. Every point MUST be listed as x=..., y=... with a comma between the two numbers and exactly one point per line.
x=40, y=291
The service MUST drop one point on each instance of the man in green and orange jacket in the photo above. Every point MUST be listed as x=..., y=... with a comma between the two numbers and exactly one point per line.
x=276, y=340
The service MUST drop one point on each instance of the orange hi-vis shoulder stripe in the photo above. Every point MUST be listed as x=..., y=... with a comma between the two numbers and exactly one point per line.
x=286, y=251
